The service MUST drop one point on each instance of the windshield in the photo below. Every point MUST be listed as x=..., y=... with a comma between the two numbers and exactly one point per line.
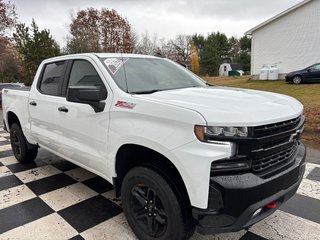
x=147, y=75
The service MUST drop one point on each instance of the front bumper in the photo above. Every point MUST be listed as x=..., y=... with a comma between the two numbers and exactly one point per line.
x=288, y=78
x=235, y=199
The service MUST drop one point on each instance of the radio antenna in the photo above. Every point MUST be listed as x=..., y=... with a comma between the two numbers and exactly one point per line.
x=125, y=73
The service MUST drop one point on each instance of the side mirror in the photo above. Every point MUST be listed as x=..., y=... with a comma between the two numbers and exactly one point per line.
x=309, y=70
x=88, y=95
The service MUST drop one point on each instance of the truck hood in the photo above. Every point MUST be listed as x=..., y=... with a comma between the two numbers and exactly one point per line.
x=223, y=106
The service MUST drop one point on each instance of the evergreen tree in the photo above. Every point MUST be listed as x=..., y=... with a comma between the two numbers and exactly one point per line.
x=245, y=44
x=34, y=46
x=215, y=48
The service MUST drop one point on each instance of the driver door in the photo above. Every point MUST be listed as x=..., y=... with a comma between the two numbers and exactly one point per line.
x=314, y=73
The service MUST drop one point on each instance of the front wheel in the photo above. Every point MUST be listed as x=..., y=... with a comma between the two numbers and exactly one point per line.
x=151, y=207
x=22, y=152
x=297, y=80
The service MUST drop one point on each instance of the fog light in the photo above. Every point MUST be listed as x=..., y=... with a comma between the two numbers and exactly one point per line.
x=229, y=166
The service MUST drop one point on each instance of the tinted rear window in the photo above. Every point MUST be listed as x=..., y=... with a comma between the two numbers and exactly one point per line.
x=51, y=78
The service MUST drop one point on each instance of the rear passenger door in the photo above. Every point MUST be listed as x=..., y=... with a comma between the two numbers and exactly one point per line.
x=43, y=107
x=83, y=132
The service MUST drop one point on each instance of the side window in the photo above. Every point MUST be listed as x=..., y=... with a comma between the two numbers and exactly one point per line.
x=51, y=78
x=317, y=67
x=84, y=74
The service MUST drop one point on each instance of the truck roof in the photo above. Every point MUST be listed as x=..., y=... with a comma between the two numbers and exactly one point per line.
x=100, y=55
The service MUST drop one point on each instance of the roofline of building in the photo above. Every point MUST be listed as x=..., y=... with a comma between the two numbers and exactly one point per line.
x=249, y=32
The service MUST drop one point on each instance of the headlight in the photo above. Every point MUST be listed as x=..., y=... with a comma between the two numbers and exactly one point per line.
x=205, y=133
x=229, y=135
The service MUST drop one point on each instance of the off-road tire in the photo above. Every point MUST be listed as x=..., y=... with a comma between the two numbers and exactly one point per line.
x=137, y=184
x=22, y=150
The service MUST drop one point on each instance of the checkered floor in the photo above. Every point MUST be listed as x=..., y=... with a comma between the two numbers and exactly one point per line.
x=54, y=199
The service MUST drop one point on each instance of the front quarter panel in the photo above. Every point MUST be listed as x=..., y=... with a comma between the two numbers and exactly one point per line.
x=156, y=123
x=169, y=130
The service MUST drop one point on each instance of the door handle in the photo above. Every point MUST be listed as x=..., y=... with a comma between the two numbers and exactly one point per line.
x=33, y=103
x=63, y=109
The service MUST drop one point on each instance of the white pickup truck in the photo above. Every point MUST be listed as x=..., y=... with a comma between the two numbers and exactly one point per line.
x=180, y=153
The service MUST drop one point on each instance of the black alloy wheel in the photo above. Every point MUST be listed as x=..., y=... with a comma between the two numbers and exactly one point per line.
x=23, y=151
x=148, y=210
x=15, y=144
x=151, y=206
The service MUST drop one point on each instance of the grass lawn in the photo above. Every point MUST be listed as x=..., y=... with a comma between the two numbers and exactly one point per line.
x=308, y=94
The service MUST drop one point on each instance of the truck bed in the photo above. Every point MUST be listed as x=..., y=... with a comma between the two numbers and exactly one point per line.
x=17, y=101
x=23, y=89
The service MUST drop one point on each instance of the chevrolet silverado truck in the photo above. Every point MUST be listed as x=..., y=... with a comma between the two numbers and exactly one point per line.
x=183, y=155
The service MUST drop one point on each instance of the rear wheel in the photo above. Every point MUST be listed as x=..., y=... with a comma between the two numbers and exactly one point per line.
x=297, y=80
x=22, y=152
x=151, y=207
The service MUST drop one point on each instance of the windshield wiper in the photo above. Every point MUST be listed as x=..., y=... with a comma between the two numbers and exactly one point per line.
x=158, y=90
x=145, y=91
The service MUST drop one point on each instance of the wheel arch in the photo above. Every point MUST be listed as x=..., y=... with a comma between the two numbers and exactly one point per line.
x=11, y=119
x=131, y=155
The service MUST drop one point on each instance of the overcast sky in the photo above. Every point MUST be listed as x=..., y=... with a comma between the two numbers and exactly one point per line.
x=166, y=18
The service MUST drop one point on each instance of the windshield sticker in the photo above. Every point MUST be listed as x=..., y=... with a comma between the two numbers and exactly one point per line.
x=114, y=64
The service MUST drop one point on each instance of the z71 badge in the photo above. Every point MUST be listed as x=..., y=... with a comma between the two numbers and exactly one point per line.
x=125, y=104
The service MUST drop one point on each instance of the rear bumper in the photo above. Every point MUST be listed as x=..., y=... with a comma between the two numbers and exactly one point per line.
x=234, y=199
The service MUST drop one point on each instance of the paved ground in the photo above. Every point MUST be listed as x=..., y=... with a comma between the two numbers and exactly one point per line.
x=54, y=199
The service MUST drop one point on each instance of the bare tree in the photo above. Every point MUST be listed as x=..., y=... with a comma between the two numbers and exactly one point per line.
x=177, y=50
x=147, y=45
x=8, y=16
x=166, y=48
x=115, y=32
x=182, y=46
x=8, y=58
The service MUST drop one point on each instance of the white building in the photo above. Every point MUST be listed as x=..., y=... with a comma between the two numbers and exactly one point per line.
x=291, y=38
x=226, y=67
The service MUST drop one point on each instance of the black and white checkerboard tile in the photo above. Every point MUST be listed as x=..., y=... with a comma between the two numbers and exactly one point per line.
x=54, y=199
